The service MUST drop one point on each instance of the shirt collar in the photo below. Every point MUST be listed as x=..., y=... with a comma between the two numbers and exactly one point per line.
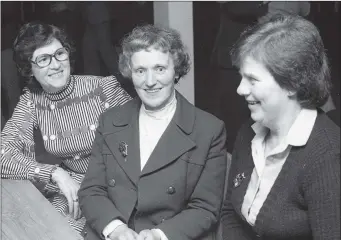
x=299, y=132
x=298, y=135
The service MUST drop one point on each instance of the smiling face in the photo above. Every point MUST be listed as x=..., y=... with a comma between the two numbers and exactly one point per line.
x=266, y=100
x=55, y=76
x=153, y=77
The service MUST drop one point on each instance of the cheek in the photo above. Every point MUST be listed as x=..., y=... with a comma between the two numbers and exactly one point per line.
x=167, y=80
x=39, y=73
x=137, y=80
x=66, y=65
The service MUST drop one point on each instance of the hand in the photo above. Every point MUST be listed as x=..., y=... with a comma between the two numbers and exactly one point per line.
x=59, y=7
x=69, y=188
x=122, y=232
x=148, y=235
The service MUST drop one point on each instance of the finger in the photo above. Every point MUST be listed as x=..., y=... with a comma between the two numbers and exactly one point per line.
x=80, y=213
x=135, y=234
x=75, y=203
x=149, y=236
x=122, y=237
x=142, y=235
x=70, y=202
x=129, y=235
x=75, y=210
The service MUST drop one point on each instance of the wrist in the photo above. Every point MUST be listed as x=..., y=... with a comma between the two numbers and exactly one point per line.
x=52, y=173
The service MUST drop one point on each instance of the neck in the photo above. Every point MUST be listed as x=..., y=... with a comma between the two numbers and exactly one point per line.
x=53, y=90
x=159, y=113
x=280, y=127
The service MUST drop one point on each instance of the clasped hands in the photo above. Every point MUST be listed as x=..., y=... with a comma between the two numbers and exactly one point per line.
x=122, y=232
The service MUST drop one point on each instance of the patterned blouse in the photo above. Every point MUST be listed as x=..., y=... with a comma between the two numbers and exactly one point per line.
x=67, y=121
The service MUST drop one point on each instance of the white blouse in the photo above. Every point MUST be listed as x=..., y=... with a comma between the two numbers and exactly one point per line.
x=268, y=167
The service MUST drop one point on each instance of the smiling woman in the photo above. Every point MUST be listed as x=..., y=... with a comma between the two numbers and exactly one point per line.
x=51, y=66
x=284, y=181
x=153, y=77
x=56, y=103
x=167, y=180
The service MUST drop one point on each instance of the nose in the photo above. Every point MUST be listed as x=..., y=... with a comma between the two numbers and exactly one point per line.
x=244, y=87
x=150, y=79
x=55, y=64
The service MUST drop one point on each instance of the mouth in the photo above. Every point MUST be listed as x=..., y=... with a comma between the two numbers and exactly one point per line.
x=56, y=74
x=252, y=102
x=153, y=90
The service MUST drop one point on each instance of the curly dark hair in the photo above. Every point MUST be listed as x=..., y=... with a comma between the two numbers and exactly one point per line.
x=291, y=49
x=161, y=38
x=32, y=36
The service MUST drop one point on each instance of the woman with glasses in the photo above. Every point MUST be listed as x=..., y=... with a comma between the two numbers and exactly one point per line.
x=64, y=107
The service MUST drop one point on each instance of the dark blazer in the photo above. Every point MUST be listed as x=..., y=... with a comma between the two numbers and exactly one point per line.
x=180, y=189
x=304, y=202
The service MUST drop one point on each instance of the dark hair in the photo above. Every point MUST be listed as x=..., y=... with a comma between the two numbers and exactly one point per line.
x=291, y=49
x=161, y=38
x=32, y=36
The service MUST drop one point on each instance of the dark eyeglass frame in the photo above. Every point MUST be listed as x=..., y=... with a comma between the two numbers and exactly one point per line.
x=50, y=57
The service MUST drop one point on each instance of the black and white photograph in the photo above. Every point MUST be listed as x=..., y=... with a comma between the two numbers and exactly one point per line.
x=170, y=120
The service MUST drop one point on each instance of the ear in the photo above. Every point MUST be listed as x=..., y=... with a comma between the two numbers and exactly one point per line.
x=291, y=93
x=176, y=79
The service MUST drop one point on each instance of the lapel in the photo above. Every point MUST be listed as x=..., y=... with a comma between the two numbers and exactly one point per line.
x=245, y=166
x=175, y=140
x=126, y=129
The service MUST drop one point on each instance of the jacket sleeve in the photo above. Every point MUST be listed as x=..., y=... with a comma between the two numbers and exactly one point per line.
x=322, y=194
x=232, y=225
x=203, y=209
x=17, y=145
x=95, y=204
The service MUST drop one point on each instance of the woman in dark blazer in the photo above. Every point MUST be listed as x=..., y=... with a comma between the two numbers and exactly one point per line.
x=158, y=164
x=284, y=181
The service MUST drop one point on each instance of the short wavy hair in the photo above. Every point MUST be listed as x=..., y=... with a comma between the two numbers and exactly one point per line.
x=160, y=38
x=291, y=49
x=32, y=36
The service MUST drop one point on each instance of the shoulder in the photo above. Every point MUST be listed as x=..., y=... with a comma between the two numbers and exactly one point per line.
x=97, y=79
x=207, y=121
x=120, y=113
x=325, y=134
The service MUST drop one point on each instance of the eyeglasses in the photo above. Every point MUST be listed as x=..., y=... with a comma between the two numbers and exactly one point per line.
x=45, y=60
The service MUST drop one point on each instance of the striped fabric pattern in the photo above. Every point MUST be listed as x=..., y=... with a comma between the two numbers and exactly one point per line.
x=67, y=121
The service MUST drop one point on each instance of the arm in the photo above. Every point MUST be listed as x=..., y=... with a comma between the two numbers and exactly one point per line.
x=203, y=208
x=17, y=145
x=93, y=191
x=230, y=221
x=322, y=193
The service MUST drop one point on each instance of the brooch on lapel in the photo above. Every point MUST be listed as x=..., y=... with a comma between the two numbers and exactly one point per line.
x=123, y=148
x=238, y=179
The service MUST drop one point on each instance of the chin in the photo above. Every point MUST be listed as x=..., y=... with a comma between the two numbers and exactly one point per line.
x=256, y=118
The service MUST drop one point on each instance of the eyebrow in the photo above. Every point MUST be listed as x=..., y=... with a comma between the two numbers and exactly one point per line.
x=161, y=65
x=248, y=75
x=155, y=66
